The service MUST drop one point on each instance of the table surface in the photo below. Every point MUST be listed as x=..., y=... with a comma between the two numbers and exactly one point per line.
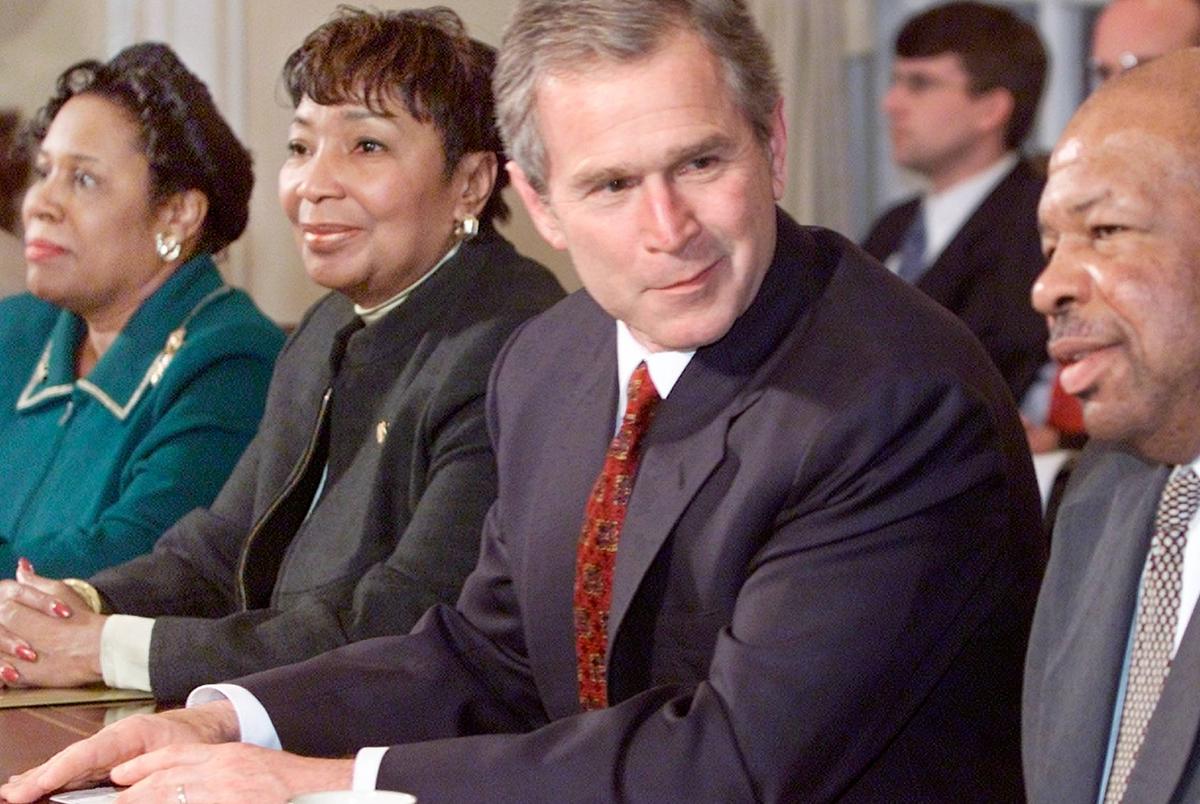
x=31, y=735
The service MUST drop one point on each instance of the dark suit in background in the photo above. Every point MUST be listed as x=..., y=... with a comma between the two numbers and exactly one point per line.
x=410, y=477
x=823, y=587
x=984, y=273
x=1080, y=634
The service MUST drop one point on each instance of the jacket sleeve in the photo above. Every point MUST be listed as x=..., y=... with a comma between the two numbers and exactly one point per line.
x=191, y=569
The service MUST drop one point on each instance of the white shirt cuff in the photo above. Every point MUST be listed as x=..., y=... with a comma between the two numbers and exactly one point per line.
x=125, y=652
x=366, y=769
x=254, y=724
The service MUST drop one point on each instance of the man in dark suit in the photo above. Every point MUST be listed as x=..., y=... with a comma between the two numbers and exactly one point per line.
x=818, y=585
x=1111, y=710
x=965, y=88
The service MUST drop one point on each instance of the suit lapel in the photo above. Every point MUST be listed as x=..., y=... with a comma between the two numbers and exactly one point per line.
x=948, y=272
x=570, y=456
x=1085, y=669
x=671, y=473
x=687, y=439
x=885, y=239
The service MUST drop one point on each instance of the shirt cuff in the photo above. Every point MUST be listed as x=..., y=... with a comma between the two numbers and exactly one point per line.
x=254, y=724
x=125, y=652
x=366, y=769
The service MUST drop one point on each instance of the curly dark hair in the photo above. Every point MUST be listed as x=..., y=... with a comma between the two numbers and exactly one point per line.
x=422, y=58
x=187, y=142
x=14, y=170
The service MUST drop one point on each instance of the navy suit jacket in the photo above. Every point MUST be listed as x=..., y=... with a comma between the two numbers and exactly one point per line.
x=822, y=590
x=985, y=273
x=1081, y=630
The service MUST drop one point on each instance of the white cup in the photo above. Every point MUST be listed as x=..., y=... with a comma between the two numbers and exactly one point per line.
x=351, y=797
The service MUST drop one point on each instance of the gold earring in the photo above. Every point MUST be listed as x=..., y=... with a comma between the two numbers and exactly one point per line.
x=467, y=228
x=167, y=246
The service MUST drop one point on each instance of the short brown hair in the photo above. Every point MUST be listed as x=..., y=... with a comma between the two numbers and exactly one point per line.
x=422, y=58
x=568, y=36
x=997, y=50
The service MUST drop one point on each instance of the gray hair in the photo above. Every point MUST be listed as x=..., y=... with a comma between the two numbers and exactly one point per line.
x=569, y=36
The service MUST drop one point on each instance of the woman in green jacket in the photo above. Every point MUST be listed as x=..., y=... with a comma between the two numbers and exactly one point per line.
x=131, y=375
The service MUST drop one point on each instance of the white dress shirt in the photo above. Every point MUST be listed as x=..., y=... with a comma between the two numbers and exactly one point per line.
x=665, y=369
x=947, y=211
x=1190, y=592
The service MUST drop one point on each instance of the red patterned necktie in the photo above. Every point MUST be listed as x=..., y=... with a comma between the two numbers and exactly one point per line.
x=603, y=518
x=1066, y=412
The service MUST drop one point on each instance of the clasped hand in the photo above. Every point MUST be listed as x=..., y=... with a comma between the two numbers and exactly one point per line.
x=48, y=635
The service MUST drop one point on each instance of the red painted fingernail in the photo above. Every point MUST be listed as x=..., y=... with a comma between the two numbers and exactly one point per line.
x=23, y=564
x=10, y=675
x=26, y=653
x=61, y=609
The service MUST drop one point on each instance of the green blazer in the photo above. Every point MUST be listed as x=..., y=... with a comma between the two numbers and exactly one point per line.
x=93, y=470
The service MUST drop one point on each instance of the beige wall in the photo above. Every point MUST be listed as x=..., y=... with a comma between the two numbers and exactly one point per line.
x=41, y=37
x=38, y=38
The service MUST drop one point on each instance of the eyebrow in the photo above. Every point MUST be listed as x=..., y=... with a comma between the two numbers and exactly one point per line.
x=77, y=157
x=352, y=115
x=677, y=156
x=1080, y=207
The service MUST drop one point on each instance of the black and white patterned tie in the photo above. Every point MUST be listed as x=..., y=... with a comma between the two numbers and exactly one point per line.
x=1157, y=618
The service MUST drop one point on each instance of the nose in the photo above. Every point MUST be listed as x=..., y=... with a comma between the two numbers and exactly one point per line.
x=668, y=220
x=1063, y=283
x=41, y=201
x=318, y=177
x=892, y=99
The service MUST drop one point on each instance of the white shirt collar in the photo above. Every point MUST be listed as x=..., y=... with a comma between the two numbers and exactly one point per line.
x=664, y=367
x=947, y=211
x=370, y=315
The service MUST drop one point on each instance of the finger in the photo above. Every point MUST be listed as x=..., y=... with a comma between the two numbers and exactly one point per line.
x=172, y=756
x=89, y=760
x=164, y=786
x=13, y=645
x=9, y=676
x=40, y=594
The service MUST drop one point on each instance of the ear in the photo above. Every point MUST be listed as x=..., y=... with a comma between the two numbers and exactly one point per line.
x=182, y=215
x=993, y=110
x=476, y=174
x=777, y=145
x=538, y=206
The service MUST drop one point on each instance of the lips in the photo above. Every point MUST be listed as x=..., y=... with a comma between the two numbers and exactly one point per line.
x=40, y=250
x=696, y=280
x=326, y=237
x=1082, y=360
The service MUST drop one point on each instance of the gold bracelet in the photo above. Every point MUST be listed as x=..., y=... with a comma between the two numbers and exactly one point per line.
x=88, y=592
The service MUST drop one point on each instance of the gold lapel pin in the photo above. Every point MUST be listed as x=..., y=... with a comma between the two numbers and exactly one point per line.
x=381, y=431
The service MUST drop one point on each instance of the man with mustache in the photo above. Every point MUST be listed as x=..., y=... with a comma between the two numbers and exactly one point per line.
x=1110, y=710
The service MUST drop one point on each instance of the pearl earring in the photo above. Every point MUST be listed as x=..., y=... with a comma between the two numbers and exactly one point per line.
x=467, y=228
x=167, y=246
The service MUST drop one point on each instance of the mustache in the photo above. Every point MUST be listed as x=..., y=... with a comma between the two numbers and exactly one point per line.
x=1070, y=325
